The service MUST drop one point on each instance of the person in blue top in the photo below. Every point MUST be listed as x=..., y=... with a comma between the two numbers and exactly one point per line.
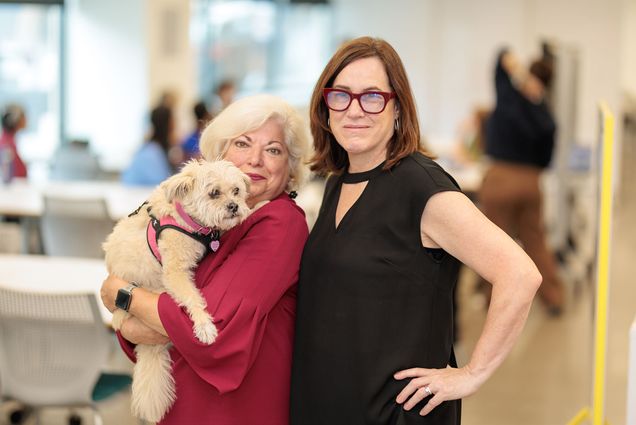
x=190, y=146
x=150, y=165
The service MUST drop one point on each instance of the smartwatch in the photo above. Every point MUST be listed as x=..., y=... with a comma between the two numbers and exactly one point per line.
x=124, y=296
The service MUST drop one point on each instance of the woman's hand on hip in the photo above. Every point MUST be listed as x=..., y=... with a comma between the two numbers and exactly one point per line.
x=109, y=289
x=438, y=384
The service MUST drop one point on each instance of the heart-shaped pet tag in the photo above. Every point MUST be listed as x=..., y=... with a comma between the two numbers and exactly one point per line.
x=215, y=245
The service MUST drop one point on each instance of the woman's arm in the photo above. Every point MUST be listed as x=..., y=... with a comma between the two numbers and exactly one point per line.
x=526, y=83
x=452, y=222
x=255, y=278
x=143, y=306
x=240, y=294
x=135, y=331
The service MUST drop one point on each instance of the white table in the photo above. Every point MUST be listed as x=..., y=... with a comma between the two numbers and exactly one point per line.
x=23, y=198
x=468, y=175
x=39, y=273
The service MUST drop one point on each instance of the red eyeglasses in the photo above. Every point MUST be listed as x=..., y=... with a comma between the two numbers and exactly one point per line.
x=371, y=102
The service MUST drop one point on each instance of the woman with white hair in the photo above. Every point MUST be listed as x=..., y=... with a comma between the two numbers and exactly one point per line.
x=249, y=284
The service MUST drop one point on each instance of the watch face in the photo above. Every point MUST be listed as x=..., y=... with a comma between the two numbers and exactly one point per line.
x=122, y=300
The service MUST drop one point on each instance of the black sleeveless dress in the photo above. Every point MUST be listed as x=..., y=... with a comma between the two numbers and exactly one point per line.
x=373, y=301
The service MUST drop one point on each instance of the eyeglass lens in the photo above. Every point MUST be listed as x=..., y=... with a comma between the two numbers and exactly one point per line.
x=369, y=102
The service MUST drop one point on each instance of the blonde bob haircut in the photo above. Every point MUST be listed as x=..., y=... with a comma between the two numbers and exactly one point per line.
x=250, y=113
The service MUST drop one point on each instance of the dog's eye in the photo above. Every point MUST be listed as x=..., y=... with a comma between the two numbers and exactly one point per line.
x=215, y=193
x=236, y=191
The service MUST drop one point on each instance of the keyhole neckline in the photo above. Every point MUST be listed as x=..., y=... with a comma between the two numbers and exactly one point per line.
x=352, y=178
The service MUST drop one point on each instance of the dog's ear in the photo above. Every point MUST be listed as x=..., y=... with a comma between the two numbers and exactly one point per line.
x=247, y=181
x=178, y=186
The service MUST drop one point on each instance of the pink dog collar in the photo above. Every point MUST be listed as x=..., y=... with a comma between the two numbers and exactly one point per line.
x=194, y=226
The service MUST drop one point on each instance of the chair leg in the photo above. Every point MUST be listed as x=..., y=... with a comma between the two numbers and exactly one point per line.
x=74, y=419
x=13, y=412
x=97, y=418
x=19, y=415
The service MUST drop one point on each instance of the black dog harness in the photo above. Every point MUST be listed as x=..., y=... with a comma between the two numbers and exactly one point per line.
x=208, y=236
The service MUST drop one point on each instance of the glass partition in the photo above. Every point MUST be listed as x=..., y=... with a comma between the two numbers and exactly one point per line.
x=30, y=73
x=278, y=47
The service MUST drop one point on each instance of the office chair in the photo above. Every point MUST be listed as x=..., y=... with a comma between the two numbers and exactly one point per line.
x=75, y=161
x=74, y=227
x=53, y=348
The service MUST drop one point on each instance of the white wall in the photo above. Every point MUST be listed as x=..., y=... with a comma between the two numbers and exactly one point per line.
x=628, y=47
x=171, y=59
x=449, y=49
x=121, y=55
x=106, y=84
x=407, y=29
x=595, y=29
x=469, y=36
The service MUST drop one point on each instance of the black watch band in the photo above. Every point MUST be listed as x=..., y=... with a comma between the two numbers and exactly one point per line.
x=124, y=296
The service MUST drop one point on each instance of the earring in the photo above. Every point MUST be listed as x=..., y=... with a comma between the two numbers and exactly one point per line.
x=396, y=124
x=292, y=194
x=328, y=123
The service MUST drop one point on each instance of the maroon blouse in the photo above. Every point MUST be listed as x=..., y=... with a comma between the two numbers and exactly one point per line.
x=250, y=288
x=8, y=139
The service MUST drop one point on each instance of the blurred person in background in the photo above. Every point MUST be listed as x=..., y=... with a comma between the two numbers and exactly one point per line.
x=520, y=140
x=190, y=145
x=150, y=165
x=13, y=120
x=169, y=99
x=223, y=95
x=472, y=136
x=374, y=329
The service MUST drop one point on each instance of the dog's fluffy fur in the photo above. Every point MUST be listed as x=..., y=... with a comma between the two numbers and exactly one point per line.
x=209, y=192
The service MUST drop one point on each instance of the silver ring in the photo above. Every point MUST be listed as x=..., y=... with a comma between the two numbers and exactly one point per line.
x=428, y=390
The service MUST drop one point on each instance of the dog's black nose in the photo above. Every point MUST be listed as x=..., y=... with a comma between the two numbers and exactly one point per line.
x=232, y=207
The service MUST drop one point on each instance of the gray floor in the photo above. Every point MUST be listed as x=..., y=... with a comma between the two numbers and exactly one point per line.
x=547, y=378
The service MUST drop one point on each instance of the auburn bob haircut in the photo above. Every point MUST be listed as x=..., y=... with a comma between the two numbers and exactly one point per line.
x=329, y=156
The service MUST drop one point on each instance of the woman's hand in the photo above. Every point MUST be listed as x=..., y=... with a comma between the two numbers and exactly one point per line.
x=511, y=64
x=109, y=289
x=441, y=384
x=533, y=89
x=144, y=306
x=135, y=331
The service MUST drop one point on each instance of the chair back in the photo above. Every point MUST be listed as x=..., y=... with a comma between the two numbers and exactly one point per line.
x=52, y=347
x=75, y=227
x=75, y=161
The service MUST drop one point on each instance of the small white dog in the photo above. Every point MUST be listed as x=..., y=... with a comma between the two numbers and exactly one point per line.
x=180, y=222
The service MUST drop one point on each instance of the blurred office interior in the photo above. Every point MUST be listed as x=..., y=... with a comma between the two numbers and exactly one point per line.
x=88, y=72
